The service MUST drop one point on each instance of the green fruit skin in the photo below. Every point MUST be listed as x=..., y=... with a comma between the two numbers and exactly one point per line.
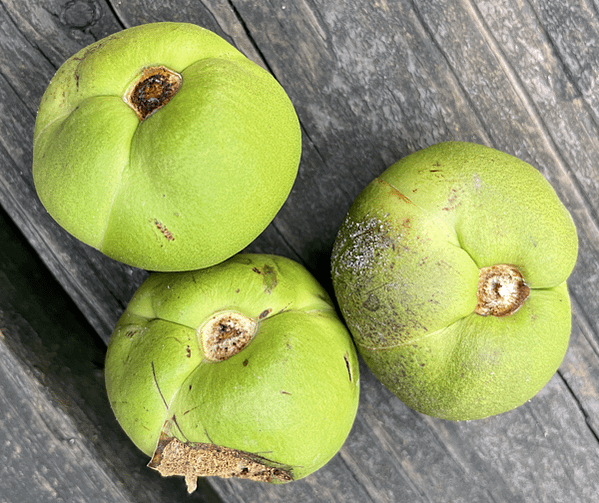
x=192, y=184
x=291, y=395
x=405, y=273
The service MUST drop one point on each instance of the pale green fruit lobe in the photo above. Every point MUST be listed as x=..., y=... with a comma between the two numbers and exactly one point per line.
x=417, y=250
x=243, y=362
x=177, y=187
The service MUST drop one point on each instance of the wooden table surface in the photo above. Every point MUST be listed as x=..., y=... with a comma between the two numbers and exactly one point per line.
x=371, y=81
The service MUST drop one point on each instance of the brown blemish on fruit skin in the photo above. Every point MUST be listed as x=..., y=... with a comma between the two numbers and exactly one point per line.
x=269, y=277
x=152, y=90
x=132, y=332
x=163, y=229
x=453, y=201
x=396, y=192
x=501, y=290
x=346, y=358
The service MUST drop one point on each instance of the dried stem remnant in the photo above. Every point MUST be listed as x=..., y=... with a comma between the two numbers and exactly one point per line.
x=193, y=460
x=226, y=334
x=153, y=89
x=501, y=290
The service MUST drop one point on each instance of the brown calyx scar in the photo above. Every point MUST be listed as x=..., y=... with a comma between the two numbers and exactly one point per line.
x=501, y=290
x=225, y=334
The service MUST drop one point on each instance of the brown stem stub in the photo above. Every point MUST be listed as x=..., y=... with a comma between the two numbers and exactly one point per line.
x=501, y=290
x=153, y=89
x=225, y=334
x=193, y=460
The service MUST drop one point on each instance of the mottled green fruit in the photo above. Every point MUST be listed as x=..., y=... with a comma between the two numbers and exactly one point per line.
x=241, y=369
x=450, y=270
x=164, y=147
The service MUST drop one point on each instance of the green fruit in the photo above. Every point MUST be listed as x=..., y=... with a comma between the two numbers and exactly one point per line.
x=164, y=147
x=241, y=369
x=450, y=270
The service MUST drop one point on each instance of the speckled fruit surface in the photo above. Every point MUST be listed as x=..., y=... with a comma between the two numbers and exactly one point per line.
x=450, y=270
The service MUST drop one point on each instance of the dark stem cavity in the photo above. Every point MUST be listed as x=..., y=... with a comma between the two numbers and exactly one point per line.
x=153, y=89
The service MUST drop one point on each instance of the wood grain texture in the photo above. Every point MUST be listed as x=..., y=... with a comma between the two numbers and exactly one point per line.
x=371, y=82
x=42, y=456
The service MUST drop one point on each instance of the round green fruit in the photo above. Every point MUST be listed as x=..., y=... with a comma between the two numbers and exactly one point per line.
x=450, y=270
x=241, y=370
x=164, y=147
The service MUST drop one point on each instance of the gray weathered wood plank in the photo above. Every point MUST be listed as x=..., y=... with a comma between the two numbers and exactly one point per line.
x=43, y=458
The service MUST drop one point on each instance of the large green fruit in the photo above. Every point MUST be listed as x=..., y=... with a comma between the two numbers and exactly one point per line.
x=450, y=270
x=164, y=147
x=242, y=369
